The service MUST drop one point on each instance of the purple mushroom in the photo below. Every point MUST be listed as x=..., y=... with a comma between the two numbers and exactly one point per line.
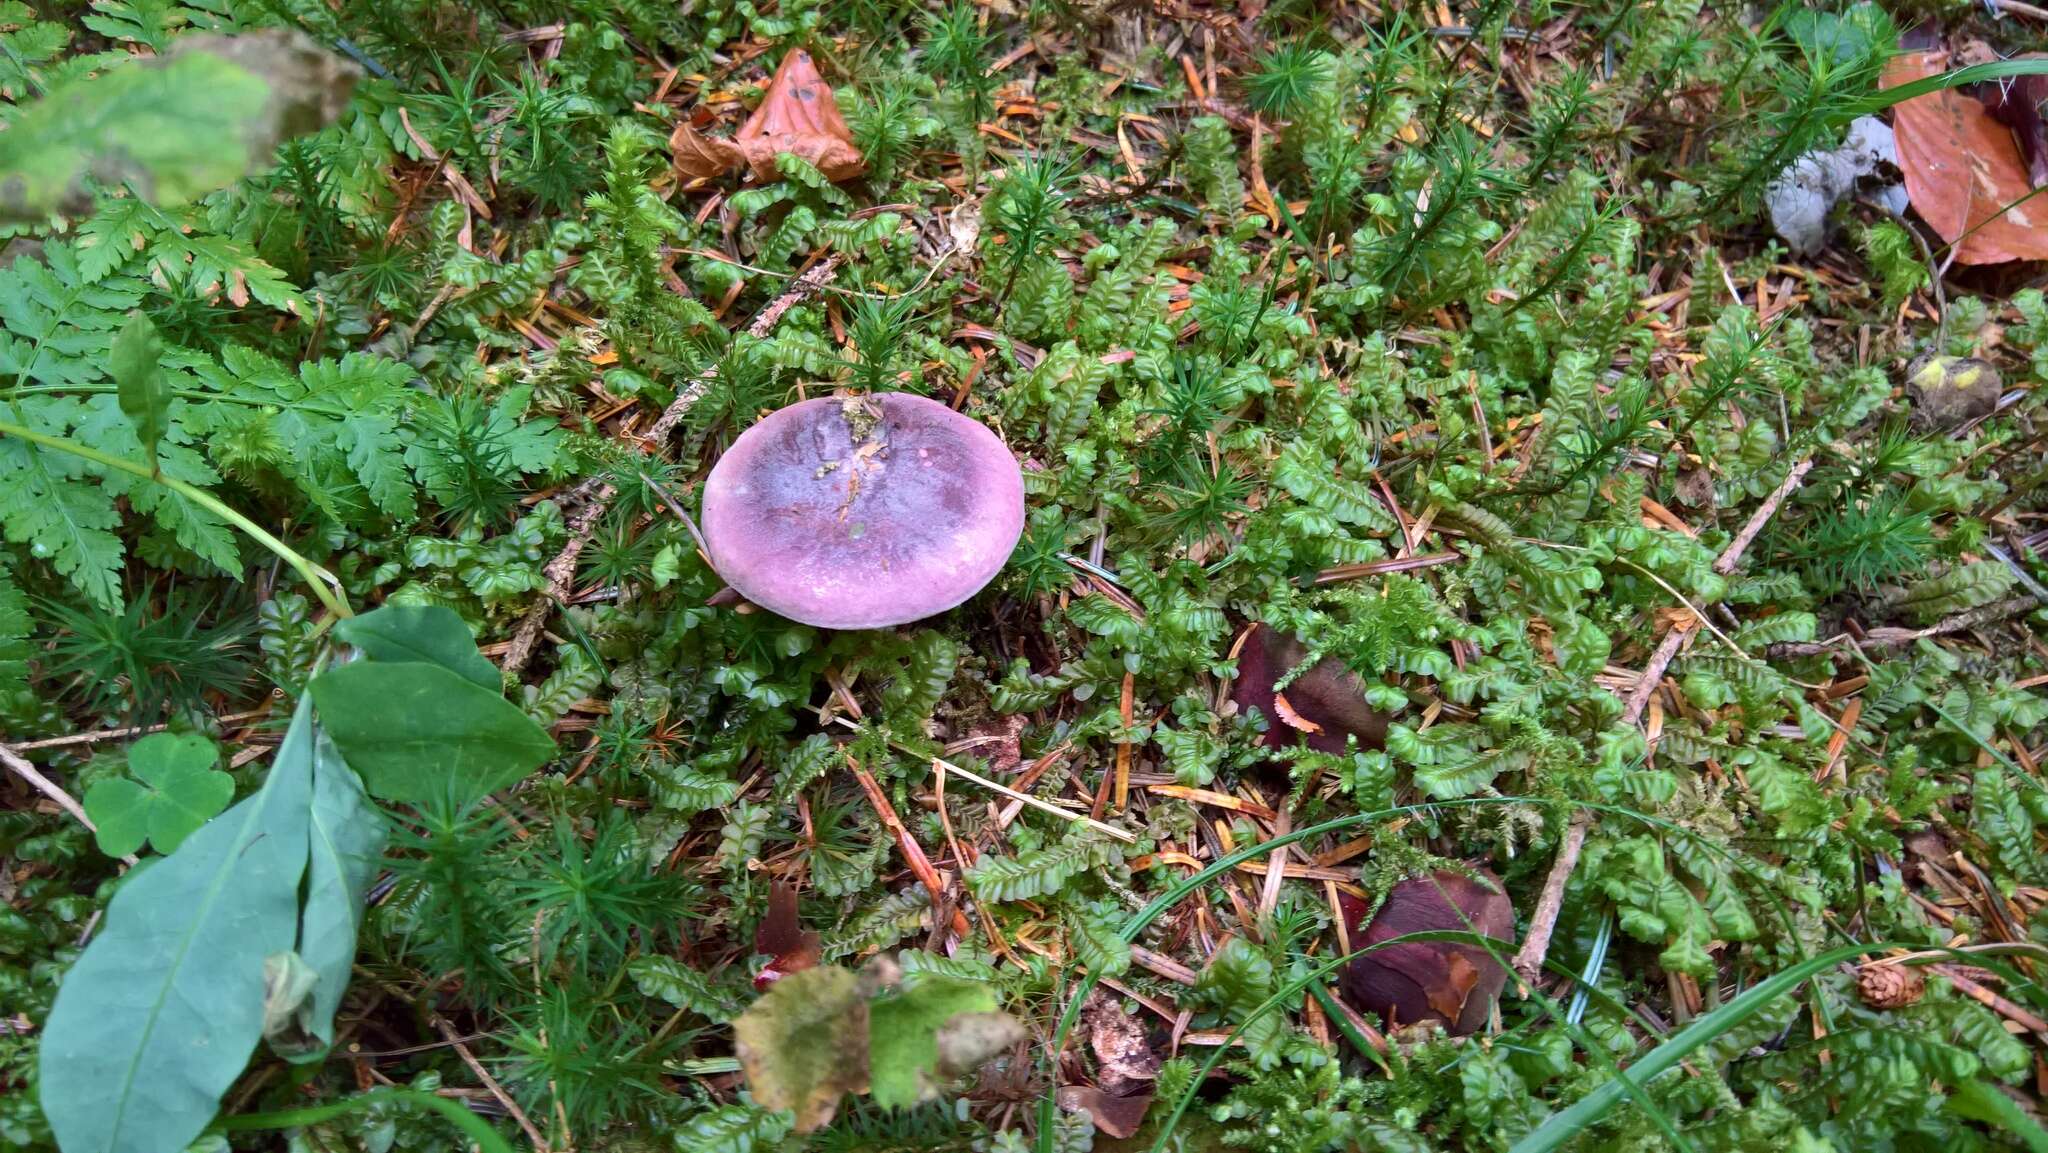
x=1448, y=982
x=862, y=512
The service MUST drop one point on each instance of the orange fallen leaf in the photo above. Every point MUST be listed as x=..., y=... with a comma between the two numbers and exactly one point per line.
x=1962, y=167
x=797, y=116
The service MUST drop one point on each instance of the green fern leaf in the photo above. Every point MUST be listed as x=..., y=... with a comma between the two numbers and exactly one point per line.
x=734, y=1129
x=1960, y=589
x=48, y=503
x=1033, y=873
x=1303, y=471
x=687, y=790
x=15, y=628
x=670, y=980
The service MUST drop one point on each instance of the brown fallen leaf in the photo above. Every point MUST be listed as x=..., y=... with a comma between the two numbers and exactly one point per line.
x=1125, y=1069
x=1119, y=1117
x=797, y=116
x=1443, y=981
x=1962, y=168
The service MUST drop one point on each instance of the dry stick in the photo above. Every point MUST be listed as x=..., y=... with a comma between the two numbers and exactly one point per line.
x=47, y=787
x=1021, y=798
x=561, y=574
x=1764, y=512
x=518, y=1115
x=561, y=571
x=97, y=735
x=1893, y=637
x=1529, y=958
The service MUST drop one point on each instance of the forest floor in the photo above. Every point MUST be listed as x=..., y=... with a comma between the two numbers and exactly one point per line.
x=1450, y=508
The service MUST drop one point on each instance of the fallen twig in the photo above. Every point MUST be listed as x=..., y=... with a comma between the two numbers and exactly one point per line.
x=1726, y=562
x=1528, y=961
x=1893, y=637
x=512, y=1108
x=561, y=571
x=561, y=574
x=21, y=767
x=94, y=736
x=1021, y=798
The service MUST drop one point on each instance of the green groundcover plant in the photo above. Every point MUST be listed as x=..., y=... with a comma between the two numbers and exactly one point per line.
x=387, y=768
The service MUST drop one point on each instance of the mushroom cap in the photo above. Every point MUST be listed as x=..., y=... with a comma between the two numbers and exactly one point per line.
x=1444, y=981
x=863, y=512
x=1328, y=696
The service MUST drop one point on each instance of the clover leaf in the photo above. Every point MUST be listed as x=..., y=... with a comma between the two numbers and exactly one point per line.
x=171, y=790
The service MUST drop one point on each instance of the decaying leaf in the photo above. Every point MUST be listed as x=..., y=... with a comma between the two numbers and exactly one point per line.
x=824, y=1032
x=1124, y=1060
x=288, y=984
x=1119, y=1117
x=797, y=116
x=1323, y=705
x=1963, y=169
x=172, y=127
x=1447, y=982
x=925, y=1035
x=1125, y=1069
x=804, y=1044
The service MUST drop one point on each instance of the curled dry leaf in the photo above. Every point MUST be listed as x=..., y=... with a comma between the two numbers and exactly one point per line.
x=1446, y=982
x=1963, y=169
x=797, y=115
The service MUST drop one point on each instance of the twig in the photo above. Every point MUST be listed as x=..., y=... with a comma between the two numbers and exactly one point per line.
x=97, y=735
x=913, y=853
x=1653, y=675
x=512, y=1108
x=1727, y=561
x=561, y=574
x=21, y=767
x=2000, y=7
x=1528, y=962
x=1025, y=798
x=686, y=399
x=1021, y=798
x=1893, y=637
x=561, y=571
x=1543, y=922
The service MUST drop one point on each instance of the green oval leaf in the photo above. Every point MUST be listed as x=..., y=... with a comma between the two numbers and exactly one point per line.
x=430, y=634
x=345, y=839
x=417, y=732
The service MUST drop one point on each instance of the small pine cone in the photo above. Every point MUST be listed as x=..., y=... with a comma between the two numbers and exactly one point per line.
x=1889, y=986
